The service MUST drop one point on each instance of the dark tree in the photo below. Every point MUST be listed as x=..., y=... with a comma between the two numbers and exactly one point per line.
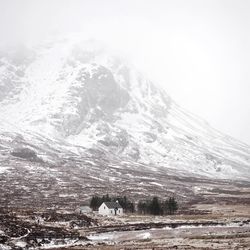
x=95, y=202
x=127, y=205
x=106, y=198
x=142, y=207
x=155, y=206
x=171, y=205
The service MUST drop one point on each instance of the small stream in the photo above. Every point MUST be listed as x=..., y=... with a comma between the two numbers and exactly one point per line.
x=169, y=232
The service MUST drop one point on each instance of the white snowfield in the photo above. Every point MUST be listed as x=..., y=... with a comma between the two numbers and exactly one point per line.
x=71, y=97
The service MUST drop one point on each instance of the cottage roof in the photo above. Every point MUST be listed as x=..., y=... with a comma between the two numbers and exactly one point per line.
x=112, y=204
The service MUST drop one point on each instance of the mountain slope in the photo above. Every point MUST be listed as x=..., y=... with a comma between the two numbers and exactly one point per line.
x=74, y=104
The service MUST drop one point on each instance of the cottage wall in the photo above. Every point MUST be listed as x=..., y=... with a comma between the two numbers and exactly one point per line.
x=119, y=211
x=104, y=210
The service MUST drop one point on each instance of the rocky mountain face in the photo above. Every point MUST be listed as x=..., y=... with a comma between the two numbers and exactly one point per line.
x=74, y=117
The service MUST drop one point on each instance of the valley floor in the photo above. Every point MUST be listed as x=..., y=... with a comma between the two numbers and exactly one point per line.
x=221, y=227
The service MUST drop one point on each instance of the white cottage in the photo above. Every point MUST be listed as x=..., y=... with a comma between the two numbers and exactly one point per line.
x=110, y=208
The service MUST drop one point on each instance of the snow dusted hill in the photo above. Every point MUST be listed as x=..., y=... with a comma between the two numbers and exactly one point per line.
x=73, y=101
x=78, y=93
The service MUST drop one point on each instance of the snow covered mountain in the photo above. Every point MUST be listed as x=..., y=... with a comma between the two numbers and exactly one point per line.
x=80, y=94
x=75, y=100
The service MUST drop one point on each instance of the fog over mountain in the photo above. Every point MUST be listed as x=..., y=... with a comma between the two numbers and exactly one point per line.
x=78, y=92
x=198, y=51
x=73, y=113
x=124, y=124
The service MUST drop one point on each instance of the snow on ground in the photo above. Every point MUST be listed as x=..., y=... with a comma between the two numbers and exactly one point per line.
x=148, y=128
x=156, y=183
x=3, y=169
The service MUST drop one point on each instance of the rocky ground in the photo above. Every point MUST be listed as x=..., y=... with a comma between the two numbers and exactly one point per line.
x=219, y=227
x=38, y=201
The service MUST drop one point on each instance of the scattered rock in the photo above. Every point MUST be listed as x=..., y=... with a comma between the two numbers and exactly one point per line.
x=26, y=153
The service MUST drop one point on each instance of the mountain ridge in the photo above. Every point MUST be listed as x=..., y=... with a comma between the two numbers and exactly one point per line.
x=75, y=118
x=86, y=97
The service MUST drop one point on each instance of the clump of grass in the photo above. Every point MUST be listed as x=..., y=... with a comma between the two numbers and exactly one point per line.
x=220, y=236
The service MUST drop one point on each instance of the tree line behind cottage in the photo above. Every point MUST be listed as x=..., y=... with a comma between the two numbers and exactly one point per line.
x=154, y=206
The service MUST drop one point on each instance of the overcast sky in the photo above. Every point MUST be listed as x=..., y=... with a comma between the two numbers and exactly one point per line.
x=197, y=50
